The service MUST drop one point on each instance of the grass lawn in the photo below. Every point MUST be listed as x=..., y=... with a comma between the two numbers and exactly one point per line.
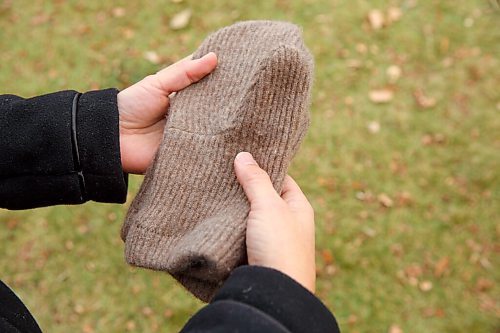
x=401, y=161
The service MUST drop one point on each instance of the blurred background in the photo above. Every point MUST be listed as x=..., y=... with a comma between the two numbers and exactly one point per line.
x=401, y=162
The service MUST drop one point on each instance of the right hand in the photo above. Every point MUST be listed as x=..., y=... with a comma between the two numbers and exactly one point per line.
x=280, y=229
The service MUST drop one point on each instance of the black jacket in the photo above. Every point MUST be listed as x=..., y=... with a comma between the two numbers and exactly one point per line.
x=63, y=148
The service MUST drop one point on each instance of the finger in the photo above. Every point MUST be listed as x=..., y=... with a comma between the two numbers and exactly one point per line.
x=185, y=59
x=185, y=72
x=291, y=190
x=255, y=181
x=294, y=197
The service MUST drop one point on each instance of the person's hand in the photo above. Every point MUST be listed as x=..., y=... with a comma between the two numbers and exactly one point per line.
x=280, y=229
x=143, y=108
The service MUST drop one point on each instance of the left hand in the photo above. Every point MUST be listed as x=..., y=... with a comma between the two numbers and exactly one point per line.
x=143, y=107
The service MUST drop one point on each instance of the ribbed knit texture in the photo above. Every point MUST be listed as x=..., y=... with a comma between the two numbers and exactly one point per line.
x=189, y=217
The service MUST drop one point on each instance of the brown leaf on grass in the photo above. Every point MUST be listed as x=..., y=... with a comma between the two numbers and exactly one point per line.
x=168, y=313
x=425, y=286
x=327, y=256
x=78, y=309
x=354, y=63
x=366, y=196
x=423, y=100
x=404, y=199
x=118, y=12
x=357, y=185
x=413, y=271
x=369, y=232
x=69, y=245
x=441, y=267
x=385, y=200
x=352, y=319
x=12, y=223
x=395, y=329
x=327, y=182
x=331, y=270
x=136, y=289
x=393, y=73
x=488, y=304
x=147, y=311
x=130, y=325
x=432, y=312
x=40, y=19
x=398, y=166
x=373, y=127
x=87, y=328
x=361, y=48
x=181, y=19
x=376, y=19
x=426, y=140
x=363, y=214
x=397, y=250
x=484, y=284
x=433, y=139
x=128, y=33
x=379, y=96
x=394, y=14
x=152, y=57
x=348, y=100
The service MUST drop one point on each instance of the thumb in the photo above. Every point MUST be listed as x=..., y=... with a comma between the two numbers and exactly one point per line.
x=185, y=72
x=255, y=181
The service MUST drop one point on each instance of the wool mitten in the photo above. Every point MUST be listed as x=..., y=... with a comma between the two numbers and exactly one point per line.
x=189, y=216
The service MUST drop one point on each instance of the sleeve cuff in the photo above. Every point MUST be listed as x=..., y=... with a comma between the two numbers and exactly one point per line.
x=279, y=296
x=98, y=140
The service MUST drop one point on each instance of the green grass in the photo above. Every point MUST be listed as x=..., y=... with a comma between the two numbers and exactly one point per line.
x=428, y=263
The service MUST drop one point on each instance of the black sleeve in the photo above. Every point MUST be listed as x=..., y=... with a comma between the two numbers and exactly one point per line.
x=258, y=299
x=60, y=148
x=14, y=316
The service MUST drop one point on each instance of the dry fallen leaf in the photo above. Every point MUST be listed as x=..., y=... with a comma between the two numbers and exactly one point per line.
x=394, y=14
x=423, y=100
x=327, y=256
x=376, y=19
x=431, y=312
x=130, y=325
x=381, y=96
x=484, y=284
x=374, y=127
x=168, y=313
x=152, y=57
x=425, y=286
x=118, y=12
x=87, y=329
x=441, y=266
x=427, y=140
x=147, y=311
x=404, y=198
x=40, y=19
x=395, y=329
x=354, y=63
x=385, y=200
x=331, y=270
x=364, y=196
x=128, y=33
x=393, y=73
x=414, y=271
x=180, y=20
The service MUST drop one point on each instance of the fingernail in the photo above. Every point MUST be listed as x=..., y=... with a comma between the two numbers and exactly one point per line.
x=245, y=158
